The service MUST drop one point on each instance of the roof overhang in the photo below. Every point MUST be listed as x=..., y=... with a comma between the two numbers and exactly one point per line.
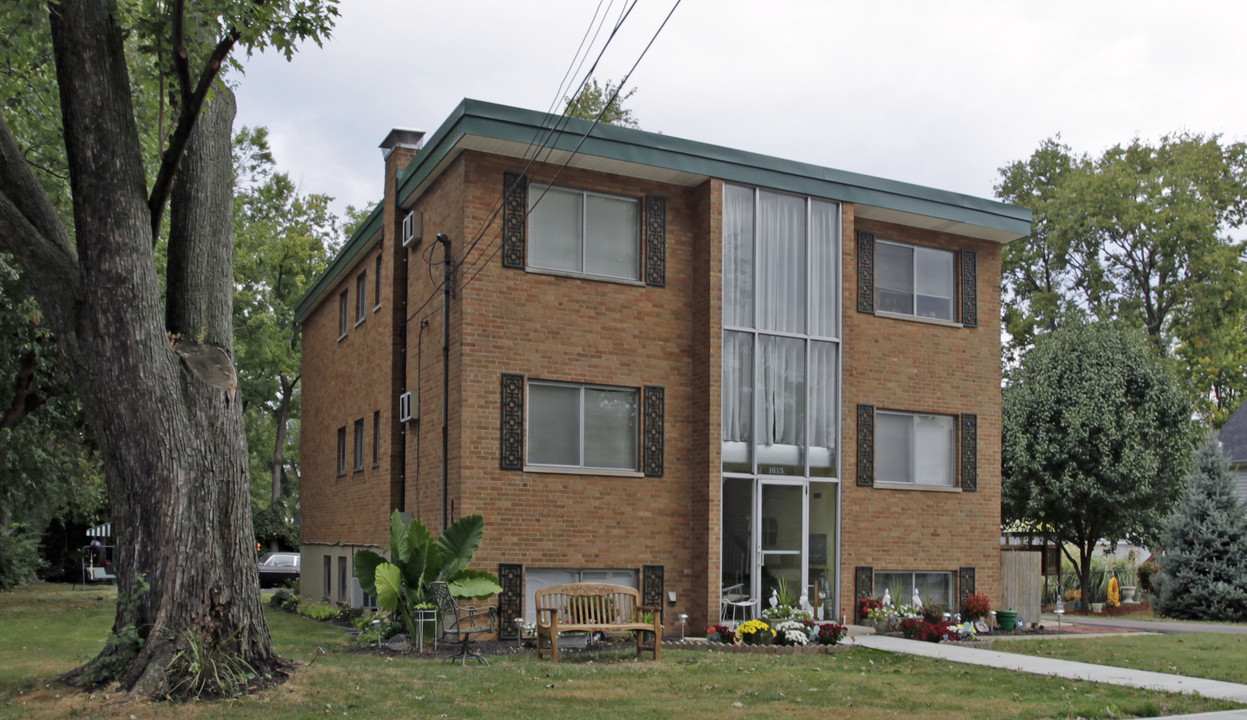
x=515, y=132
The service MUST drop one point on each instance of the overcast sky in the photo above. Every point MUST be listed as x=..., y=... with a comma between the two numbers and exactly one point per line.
x=936, y=93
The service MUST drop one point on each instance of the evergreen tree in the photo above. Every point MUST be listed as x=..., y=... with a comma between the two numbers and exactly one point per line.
x=1205, y=563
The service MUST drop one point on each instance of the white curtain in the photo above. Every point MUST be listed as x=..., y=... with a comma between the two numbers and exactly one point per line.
x=824, y=261
x=781, y=265
x=737, y=256
x=783, y=391
x=933, y=451
x=737, y=420
x=823, y=403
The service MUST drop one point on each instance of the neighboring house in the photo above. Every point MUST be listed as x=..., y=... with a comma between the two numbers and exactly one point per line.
x=691, y=369
x=1234, y=444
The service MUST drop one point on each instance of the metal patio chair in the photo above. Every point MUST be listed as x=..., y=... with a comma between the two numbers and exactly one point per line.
x=460, y=624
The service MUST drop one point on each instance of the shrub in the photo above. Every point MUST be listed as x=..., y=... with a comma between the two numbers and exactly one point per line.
x=19, y=555
x=977, y=605
x=927, y=632
x=1147, y=573
x=285, y=600
x=1205, y=562
x=318, y=611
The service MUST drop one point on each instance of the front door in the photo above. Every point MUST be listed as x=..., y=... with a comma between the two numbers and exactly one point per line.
x=779, y=530
x=781, y=534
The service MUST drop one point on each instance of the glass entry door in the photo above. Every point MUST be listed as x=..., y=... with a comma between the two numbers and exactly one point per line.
x=779, y=530
x=781, y=533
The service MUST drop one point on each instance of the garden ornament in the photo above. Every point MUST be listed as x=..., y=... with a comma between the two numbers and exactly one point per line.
x=887, y=598
x=917, y=599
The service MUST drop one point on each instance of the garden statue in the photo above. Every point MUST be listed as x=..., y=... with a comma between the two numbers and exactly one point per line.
x=917, y=599
x=887, y=598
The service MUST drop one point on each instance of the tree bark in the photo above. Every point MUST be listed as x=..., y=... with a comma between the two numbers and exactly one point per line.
x=163, y=408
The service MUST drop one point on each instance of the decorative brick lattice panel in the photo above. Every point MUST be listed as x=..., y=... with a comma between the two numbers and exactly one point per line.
x=969, y=288
x=865, y=272
x=510, y=600
x=655, y=240
x=514, y=220
x=866, y=445
x=512, y=452
x=863, y=584
x=965, y=586
x=652, y=586
x=652, y=451
x=969, y=452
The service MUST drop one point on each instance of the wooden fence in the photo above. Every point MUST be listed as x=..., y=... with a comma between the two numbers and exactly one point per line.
x=1021, y=583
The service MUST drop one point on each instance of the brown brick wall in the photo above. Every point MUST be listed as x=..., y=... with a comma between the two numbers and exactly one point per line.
x=579, y=330
x=586, y=331
x=910, y=365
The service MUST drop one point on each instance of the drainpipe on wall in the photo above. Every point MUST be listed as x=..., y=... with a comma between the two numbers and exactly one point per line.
x=448, y=278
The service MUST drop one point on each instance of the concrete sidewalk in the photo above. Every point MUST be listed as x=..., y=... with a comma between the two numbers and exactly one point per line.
x=1156, y=626
x=1063, y=668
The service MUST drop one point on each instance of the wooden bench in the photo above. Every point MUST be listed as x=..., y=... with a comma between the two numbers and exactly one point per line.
x=593, y=607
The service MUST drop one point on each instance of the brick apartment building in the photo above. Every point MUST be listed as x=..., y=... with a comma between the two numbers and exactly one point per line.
x=687, y=368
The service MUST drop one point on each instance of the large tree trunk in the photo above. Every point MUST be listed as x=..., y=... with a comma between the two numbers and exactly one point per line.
x=157, y=383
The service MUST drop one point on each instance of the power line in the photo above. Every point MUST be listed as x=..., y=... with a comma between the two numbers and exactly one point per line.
x=583, y=137
x=551, y=132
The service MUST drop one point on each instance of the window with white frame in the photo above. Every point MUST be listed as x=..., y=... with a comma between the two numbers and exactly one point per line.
x=583, y=232
x=914, y=448
x=928, y=586
x=582, y=426
x=911, y=280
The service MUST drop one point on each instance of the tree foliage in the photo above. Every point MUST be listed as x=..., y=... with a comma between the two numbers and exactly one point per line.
x=608, y=101
x=1205, y=562
x=1096, y=436
x=283, y=241
x=1142, y=234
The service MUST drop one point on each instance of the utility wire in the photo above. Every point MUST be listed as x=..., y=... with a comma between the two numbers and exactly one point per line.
x=583, y=137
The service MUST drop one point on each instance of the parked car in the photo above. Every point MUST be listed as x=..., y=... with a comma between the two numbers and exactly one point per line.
x=278, y=568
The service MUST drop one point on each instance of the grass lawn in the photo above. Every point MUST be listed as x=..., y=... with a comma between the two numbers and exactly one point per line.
x=50, y=629
x=1202, y=655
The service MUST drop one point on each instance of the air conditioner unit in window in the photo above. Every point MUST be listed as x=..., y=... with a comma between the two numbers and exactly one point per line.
x=413, y=227
x=408, y=407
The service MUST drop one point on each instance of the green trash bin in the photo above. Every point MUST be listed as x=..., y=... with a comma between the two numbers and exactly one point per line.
x=1008, y=619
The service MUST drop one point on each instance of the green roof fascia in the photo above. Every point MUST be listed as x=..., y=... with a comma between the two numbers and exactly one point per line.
x=475, y=117
x=503, y=122
x=345, y=258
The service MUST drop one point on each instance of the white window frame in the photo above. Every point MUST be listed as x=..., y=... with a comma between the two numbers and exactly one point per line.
x=913, y=273
x=539, y=191
x=636, y=430
x=912, y=480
